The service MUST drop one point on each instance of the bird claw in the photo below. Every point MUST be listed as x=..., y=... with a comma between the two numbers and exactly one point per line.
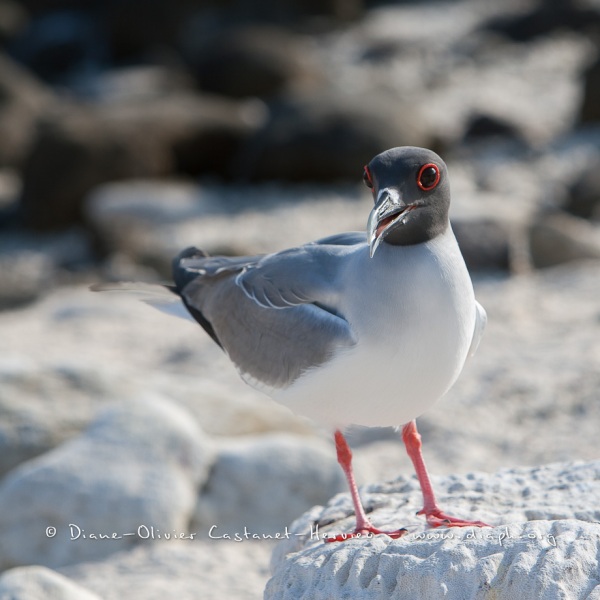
x=437, y=518
x=366, y=532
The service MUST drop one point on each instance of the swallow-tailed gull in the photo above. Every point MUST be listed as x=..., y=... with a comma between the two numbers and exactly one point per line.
x=369, y=329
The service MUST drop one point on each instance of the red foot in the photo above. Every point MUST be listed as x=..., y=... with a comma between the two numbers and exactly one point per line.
x=436, y=518
x=366, y=532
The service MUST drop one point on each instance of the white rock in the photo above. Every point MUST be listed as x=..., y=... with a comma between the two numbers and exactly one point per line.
x=260, y=484
x=545, y=542
x=24, y=276
x=538, y=559
x=33, y=421
x=152, y=222
x=560, y=238
x=40, y=583
x=186, y=570
x=137, y=467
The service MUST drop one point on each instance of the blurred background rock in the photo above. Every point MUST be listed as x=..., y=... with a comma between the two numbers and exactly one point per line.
x=130, y=129
x=238, y=97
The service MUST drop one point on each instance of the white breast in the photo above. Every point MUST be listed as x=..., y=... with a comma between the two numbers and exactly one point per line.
x=413, y=310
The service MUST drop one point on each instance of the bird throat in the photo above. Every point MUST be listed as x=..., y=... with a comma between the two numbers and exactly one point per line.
x=416, y=230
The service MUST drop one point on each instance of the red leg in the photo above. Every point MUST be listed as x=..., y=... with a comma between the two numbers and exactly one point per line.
x=435, y=517
x=364, y=527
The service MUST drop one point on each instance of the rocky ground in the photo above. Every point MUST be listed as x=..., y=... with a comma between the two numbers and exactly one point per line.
x=542, y=541
x=119, y=421
x=195, y=447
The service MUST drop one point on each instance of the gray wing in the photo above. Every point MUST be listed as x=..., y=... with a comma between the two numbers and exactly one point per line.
x=299, y=275
x=349, y=238
x=290, y=278
x=480, y=323
x=276, y=316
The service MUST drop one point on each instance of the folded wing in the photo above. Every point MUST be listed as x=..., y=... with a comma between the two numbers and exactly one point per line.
x=276, y=316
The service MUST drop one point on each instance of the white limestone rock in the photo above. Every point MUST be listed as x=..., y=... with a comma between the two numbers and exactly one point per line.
x=260, y=484
x=544, y=543
x=135, y=471
x=152, y=222
x=40, y=583
x=183, y=569
x=44, y=406
x=561, y=238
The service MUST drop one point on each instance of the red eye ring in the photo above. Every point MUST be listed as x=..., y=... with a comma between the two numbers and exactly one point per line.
x=367, y=177
x=427, y=187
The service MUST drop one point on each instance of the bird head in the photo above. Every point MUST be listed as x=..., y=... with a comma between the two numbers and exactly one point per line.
x=411, y=192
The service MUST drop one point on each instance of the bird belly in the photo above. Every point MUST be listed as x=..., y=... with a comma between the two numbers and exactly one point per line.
x=376, y=384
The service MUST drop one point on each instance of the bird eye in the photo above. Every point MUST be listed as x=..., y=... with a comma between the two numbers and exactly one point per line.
x=428, y=177
x=367, y=178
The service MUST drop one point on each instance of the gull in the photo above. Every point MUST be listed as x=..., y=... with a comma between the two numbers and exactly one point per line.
x=358, y=328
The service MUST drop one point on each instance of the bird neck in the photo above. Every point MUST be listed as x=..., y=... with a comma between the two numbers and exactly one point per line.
x=413, y=233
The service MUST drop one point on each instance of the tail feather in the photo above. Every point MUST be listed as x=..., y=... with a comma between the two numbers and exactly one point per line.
x=135, y=288
x=163, y=297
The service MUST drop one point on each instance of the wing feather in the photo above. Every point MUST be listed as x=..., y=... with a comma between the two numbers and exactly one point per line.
x=271, y=348
x=480, y=324
x=275, y=315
